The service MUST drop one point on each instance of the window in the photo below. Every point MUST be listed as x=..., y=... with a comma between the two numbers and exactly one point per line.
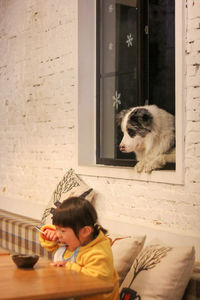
x=86, y=101
x=135, y=66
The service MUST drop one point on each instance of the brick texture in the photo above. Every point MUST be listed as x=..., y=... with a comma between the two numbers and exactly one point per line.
x=38, y=83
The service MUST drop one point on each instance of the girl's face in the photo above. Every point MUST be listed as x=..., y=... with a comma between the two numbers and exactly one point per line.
x=67, y=236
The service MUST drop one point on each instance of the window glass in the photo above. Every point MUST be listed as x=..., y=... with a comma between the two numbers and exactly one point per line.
x=162, y=54
x=135, y=66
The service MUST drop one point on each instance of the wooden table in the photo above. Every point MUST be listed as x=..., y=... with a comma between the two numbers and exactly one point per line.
x=4, y=252
x=46, y=282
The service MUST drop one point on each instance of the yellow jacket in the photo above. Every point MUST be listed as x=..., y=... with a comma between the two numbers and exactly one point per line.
x=94, y=259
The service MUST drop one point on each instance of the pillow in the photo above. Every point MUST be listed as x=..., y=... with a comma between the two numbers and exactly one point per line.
x=70, y=185
x=159, y=272
x=125, y=249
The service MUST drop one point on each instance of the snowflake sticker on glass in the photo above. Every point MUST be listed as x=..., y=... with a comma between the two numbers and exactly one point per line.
x=110, y=8
x=116, y=100
x=129, y=40
x=110, y=46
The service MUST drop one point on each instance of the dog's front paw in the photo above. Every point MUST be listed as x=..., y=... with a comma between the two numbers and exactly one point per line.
x=156, y=164
x=140, y=166
x=149, y=167
x=144, y=166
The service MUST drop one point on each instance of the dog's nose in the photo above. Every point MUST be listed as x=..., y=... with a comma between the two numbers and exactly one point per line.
x=121, y=147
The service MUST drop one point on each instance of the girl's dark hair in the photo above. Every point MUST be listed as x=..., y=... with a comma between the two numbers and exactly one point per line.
x=76, y=212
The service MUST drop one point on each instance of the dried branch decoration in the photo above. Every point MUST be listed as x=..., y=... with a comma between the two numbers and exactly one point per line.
x=148, y=259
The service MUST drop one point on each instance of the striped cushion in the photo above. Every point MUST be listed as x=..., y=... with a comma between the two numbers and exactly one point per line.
x=18, y=235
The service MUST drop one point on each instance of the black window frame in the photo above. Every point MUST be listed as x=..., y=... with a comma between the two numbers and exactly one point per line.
x=142, y=74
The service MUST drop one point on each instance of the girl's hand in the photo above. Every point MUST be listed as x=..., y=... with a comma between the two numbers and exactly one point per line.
x=50, y=235
x=59, y=263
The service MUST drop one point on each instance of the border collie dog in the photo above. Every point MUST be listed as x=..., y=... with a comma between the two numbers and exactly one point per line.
x=149, y=132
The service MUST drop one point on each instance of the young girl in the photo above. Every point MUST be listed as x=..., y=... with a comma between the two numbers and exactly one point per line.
x=80, y=244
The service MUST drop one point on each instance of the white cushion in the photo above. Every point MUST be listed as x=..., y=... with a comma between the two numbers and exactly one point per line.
x=160, y=272
x=125, y=249
x=70, y=185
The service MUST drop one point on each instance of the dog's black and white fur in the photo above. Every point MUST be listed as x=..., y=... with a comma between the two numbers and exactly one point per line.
x=149, y=132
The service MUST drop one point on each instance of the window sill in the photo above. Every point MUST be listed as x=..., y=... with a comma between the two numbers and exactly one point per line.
x=129, y=173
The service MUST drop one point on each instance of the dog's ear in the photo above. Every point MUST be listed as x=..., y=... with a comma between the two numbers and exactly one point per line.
x=141, y=116
x=120, y=116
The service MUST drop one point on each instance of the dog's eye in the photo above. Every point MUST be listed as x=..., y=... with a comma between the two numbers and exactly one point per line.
x=131, y=132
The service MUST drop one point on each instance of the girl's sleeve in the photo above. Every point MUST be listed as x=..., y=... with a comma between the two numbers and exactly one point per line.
x=96, y=265
x=48, y=245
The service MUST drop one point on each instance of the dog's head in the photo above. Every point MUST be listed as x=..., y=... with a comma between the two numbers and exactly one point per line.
x=135, y=123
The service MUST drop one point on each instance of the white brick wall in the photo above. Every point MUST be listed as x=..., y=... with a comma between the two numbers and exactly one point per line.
x=38, y=84
x=37, y=78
